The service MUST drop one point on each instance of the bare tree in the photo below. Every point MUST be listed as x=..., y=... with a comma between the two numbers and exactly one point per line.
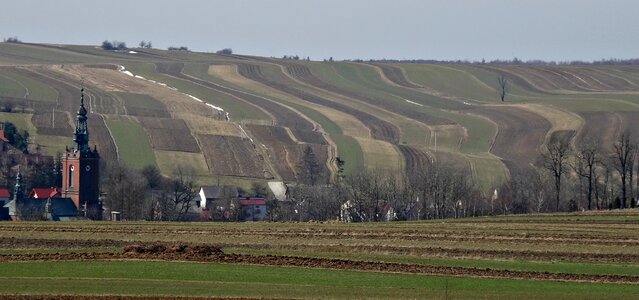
x=319, y=203
x=366, y=192
x=182, y=193
x=309, y=170
x=625, y=152
x=587, y=159
x=502, y=87
x=443, y=190
x=125, y=191
x=555, y=160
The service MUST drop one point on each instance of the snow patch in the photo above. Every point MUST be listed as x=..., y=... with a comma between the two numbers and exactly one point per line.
x=132, y=52
x=228, y=116
x=195, y=98
x=413, y=102
x=213, y=106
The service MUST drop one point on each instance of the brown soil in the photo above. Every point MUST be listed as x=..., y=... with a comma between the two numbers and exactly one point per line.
x=46, y=124
x=310, y=137
x=519, y=135
x=285, y=152
x=395, y=75
x=172, y=140
x=415, y=159
x=232, y=156
x=604, y=126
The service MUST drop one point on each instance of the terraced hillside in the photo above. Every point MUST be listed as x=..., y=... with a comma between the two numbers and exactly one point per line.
x=243, y=119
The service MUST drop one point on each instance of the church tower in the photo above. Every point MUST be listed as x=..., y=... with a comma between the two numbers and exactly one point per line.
x=81, y=169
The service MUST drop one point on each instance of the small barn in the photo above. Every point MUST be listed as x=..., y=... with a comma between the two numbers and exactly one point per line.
x=252, y=209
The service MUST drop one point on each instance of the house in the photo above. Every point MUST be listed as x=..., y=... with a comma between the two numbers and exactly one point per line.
x=211, y=194
x=22, y=208
x=5, y=195
x=216, y=202
x=252, y=208
x=44, y=193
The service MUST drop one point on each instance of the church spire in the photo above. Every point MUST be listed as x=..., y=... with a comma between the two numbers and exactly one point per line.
x=18, y=190
x=81, y=137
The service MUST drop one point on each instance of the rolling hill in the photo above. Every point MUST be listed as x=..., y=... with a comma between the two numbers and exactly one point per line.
x=241, y=119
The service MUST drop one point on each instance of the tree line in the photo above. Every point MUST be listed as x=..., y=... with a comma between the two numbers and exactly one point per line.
x=564, y=178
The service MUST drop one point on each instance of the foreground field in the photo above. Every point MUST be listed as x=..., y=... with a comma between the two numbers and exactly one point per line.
x=566, y=256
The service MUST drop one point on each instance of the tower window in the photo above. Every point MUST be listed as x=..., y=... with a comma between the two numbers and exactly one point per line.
x=71, y=169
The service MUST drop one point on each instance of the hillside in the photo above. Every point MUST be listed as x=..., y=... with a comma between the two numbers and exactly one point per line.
x=240, y=119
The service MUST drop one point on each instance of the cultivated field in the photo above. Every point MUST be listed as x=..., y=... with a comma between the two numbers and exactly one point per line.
x=563, y=256
x=378, y=115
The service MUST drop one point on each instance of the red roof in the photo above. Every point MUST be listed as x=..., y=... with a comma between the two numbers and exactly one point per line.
x=2, y=137
x=4, y=193
x=252, y=201
x=44, y=193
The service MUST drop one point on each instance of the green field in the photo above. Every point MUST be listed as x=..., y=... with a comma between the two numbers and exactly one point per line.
x=133, y=144
x=193, y=279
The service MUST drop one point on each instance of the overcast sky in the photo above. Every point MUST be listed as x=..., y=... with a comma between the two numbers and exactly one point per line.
x=401, y=29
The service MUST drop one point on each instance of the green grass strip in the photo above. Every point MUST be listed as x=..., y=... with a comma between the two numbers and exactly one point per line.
x=133, y=143
x=198, y=279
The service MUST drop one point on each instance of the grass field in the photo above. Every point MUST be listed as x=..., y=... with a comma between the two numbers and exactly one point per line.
x=562, y=256
x=21, y=121
x=193, y=279
x=132, y=142
x=174, y=162
x=26, y=87
x=350, y=151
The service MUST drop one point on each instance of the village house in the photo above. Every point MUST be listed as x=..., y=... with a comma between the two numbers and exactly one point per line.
x=252, y=209
x=216, y=202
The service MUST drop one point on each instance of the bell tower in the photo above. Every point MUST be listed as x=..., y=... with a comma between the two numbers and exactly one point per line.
x=81, y=169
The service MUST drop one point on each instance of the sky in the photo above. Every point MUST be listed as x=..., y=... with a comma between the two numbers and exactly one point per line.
x=560, y=30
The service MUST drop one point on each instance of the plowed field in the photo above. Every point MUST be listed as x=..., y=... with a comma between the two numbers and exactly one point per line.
x=232, y=156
